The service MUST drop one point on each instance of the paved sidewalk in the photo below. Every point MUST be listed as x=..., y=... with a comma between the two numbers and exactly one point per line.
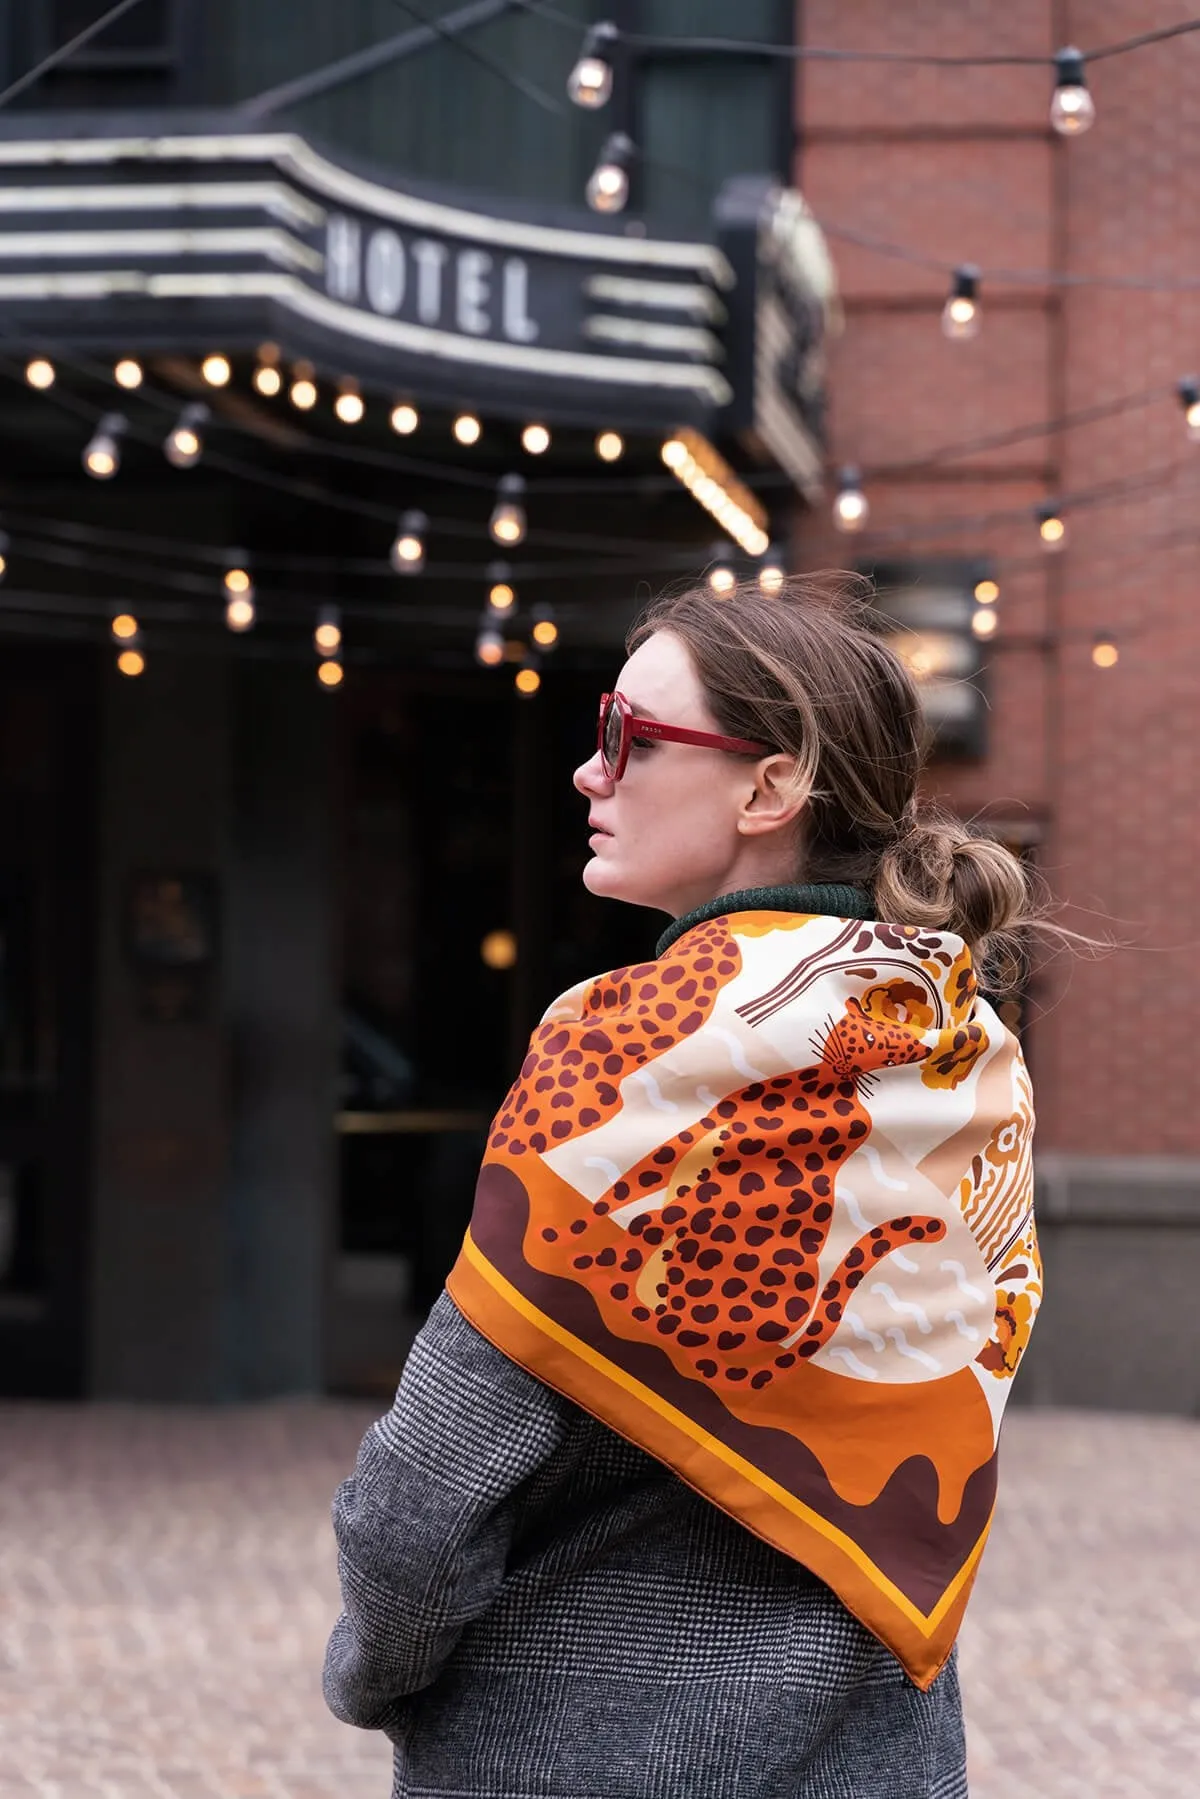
x=166, y=1587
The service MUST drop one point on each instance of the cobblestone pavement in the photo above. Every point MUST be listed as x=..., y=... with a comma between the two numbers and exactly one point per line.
x=167, y=1584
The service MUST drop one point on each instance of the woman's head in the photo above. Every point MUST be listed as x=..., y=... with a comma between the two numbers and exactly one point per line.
x=834, y=798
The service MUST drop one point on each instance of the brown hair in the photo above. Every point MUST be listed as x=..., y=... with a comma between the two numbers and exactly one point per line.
x=804, y=672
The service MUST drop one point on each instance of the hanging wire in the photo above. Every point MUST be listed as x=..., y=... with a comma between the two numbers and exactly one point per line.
x=65, y=50
x=523, y=86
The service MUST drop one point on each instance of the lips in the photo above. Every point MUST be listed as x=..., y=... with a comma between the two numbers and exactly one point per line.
x=592, y=825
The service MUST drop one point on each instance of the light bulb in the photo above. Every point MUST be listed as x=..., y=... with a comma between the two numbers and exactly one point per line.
x=502, y=596
x=328, y=635
x=590, y=82
x=240, y=613
x=1052, y=528
x=131, y=662
x=303, y=391
x=1072, y=110
x=986, y=593
x=128, y=373
x=216, y=370
x=545, y=630
x=4, y=546
x=349, y=405
x=850, y=508
x=267, y=377
x=408, y=549
x=985, y=622
x=39, y=372
x=489, y=647
x=404, y=419
x=507, y=523
x=753, y=540
x=675, y=453
x=330, y=673
x=467, y=429
x=498, y=949
x=124, y=627
x=770, y=576
x=608, y=184
x=535, y=439
x=184, y=444
x=1189, y=398
x=722, y=581
x=527, y=682
x=1105, y=653
x=102, y=457
x=610, y=446
x=960, y=315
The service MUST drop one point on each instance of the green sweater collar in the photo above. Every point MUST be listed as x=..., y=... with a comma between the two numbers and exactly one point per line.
x=829, y=900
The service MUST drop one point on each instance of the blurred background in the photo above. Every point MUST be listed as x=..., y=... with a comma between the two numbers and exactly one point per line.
x=362, y=368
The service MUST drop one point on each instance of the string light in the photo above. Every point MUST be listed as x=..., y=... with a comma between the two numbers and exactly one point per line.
x=4, y=547
x=303, y=391
x=507, y=523
x=39, y=372
x=960, y=315
x=535, y=439
x=1072, y=110
x=1105, y=653
x=1052, y=527
x=327, y=637
x=545, y=630
x=128, y=373
x=527, y=681
x=770, y=573
x=404, y=418
x=610, y=446
x=710, y=480
x=240, y=610
x=267, y=377
x=124, y=628
x=721, y=578
x=349, y=405
x=467, y=429
x=1189, y=398
x=330, y=672
x=489, y=646
x=608, y=183
x=131, y=663
x=216, y=370
x=502, y=597
x=985, y=622
x=408, y=550
x=850, y=508
x=102, y=456
x=498, y=950
x=185, y=444
x=591, y=80
x=986, y=593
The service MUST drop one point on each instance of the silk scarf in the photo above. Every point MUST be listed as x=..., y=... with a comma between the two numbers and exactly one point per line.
x=763, y=1206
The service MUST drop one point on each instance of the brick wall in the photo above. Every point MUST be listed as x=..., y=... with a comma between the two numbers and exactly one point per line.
x=962, y=165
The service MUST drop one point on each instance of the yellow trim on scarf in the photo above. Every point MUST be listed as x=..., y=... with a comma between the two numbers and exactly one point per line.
x=926, y=1623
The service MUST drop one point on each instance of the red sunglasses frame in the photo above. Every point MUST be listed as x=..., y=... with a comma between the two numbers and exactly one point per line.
x=650, y=727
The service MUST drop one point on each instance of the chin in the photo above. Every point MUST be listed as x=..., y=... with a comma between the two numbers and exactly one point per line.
x=608, y=883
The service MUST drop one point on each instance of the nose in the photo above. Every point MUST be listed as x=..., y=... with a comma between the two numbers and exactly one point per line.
x=590, y=778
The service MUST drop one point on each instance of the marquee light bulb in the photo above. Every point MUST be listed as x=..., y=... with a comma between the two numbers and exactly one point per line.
x=508, y=522
x=404, y=419
x=128, y=373
x=770, y=574
x=303, y=391
x=960, y=315
x=240, y=613
x=349, y=405
x=467, y=428
x=608, y=184
x=267, y=378
x=1072, y=110
x=4, y=547
x=408, y=550
x=131, y=663
x=610, y=446
x=535, y=439
x=330, y=673
x=124, y=627
x=590, y=82
x=216, y=370
x=40, y=372
x=328, y=634
x=850, y=507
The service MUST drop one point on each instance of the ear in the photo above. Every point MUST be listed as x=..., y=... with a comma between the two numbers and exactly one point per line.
x=776, y=798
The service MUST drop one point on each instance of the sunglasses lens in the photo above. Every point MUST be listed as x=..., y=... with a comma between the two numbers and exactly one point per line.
x=610, y=737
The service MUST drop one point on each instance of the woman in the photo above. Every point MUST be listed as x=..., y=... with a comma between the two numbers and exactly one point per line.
x=690, y=1469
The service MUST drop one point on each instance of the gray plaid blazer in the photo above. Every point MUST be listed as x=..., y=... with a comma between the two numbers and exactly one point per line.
x=535, y=1609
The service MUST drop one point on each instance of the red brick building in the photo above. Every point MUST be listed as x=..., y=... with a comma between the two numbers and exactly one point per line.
x=1095, y=767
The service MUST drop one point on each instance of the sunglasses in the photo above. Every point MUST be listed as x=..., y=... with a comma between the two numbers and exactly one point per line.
x=619, y=726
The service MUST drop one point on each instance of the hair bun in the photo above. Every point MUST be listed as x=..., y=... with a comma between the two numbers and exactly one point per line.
x=939, y=874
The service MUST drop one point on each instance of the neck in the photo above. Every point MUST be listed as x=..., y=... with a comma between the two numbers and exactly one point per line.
x=823, y=899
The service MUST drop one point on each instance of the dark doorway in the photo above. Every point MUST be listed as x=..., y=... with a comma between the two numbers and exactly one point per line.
x=47, y=755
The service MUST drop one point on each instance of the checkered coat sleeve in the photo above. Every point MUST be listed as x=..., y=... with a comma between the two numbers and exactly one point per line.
x=535, y=1609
